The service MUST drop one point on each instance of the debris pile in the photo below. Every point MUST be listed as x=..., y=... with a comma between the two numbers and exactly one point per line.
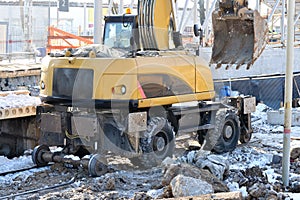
x=187, y=180
x=251, y=171
x=18, y=100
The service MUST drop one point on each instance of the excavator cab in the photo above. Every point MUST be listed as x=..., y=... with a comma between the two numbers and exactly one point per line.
x=119, y=31
x=240, y=34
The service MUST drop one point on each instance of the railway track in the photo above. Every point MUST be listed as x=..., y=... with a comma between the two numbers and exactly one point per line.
x=72, y=180
x=20, y=170
x=17, y=170
x=36, y=190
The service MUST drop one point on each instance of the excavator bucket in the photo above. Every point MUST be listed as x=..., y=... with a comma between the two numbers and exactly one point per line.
x=238, y=40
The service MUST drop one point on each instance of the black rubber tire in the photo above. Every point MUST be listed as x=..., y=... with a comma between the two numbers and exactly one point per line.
x=201, y=136
x=225, y=136
x=158, y=146
x=37, y=153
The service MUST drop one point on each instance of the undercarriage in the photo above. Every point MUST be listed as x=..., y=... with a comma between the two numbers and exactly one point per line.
x=145, y=137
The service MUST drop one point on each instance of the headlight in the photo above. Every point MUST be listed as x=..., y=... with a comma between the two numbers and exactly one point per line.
x=119, y=90
x=123, y=89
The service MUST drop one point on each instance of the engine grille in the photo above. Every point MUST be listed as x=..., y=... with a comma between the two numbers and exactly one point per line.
x=73, y=83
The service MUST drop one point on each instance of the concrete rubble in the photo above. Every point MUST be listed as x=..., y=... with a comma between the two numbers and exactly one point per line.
x=216, y=196
x=216, y=164
x=276, y=117
x=192, y=171
x=183, y=186
x=251, y=171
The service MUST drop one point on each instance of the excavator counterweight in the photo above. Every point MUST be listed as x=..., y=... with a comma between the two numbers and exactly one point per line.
x=240, y=35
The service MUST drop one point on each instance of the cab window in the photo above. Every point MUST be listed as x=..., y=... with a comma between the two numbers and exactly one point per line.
x=117, y=35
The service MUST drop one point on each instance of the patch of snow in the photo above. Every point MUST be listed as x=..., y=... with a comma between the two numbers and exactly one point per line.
x=15, y=163
x=155, y=193
x=261, y=108
x=3, y=160
x=17, y=101
x=271, y=175
x=56, y=149
x=296, y=131
x=244, y=157
x=10, y=178
x=244, y=192
x=233, y=186
x=294, y=176
x=277, y=129
x=77, y=183
x=72, y=157
x=294, y=196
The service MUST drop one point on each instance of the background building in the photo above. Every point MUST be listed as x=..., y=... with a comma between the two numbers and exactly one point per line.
x=24, y=23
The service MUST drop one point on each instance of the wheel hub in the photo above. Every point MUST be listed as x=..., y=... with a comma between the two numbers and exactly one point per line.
x=159, y=143
x=37, y=155
x=228, y=131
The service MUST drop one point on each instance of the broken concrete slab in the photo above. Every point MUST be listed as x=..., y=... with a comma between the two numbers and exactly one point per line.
x=276, y=117
x=216, y=164
x=257, y=190
x=183, y=186
x=216, y=196
x=194, y=172
x=295, y=152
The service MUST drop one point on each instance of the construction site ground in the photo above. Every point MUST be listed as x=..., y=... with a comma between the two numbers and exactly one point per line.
x=253, y=171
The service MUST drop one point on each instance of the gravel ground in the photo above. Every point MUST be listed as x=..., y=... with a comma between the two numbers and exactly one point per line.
x=254, y=169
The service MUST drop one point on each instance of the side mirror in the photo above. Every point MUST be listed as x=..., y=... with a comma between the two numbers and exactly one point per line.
x=132, y=42
x=197, y=30
x=133, y=47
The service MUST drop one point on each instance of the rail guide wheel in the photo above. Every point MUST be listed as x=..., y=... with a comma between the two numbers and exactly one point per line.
x=37, y=155
x=245, y=136
x=97, y=165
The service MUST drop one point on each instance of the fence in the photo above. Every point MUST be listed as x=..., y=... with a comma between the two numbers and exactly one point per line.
x=269, y=89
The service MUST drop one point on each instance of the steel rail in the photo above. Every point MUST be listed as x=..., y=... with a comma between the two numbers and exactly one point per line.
x=72, y=180
x=22, y=169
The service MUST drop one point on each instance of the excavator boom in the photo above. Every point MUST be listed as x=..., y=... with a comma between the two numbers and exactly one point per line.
x=155, y=25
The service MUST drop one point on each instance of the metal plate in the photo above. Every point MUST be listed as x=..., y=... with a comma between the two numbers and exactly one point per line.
x=137, y=122
x=249, y=105
x=84, y=126
x=51, y=122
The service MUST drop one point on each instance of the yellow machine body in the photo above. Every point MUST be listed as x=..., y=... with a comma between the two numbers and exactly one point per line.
x=169, y=78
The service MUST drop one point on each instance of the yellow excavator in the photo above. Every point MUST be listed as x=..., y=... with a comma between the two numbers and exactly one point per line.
x=132, y=95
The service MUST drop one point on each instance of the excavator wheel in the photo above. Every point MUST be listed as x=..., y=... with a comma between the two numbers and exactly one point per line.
x=37, y=153
x=159, y=145
x=225, y=136
x=97, y=165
